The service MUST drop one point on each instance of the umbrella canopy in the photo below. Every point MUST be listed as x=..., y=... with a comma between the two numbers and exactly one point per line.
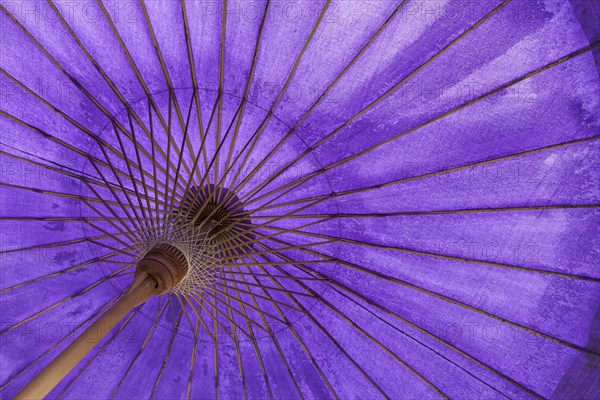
x=368, y=199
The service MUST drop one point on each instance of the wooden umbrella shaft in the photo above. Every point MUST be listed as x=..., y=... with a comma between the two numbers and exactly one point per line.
x=143, y=287
x=163, y=267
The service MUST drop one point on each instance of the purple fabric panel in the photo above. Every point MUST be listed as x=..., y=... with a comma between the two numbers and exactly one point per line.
x=171, y=40
x=529, y=239
x=276, y=57
x=517, y=350
x=453, y=373
x=30, y=264
x=424, y=89
x=369, y=354
x=333, y=50
x=528, y=181
x=413, y=30
x=243, y=24
x=571, y=321
x=346, y=380
x=512, y=124
x=204, y=19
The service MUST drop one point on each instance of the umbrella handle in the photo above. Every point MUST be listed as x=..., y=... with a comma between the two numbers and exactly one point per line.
x=155, y=274
x=140, y=291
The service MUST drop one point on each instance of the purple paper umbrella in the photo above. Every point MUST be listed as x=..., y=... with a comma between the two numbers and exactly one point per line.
x=300, y=199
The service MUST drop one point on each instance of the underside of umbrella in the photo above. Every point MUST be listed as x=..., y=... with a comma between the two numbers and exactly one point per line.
x=300, y=199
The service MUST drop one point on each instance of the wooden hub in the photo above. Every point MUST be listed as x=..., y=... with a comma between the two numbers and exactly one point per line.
x=220, y=213
x=166, y=264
